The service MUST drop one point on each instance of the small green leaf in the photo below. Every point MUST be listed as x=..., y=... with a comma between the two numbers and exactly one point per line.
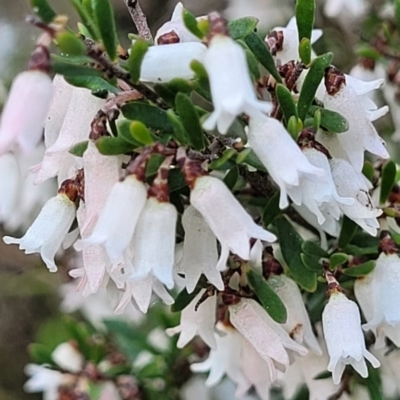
x=347, y=232
x=231, y=177
x=190, y=120
x=104, y=17
x=317, y=120
x=313, y=249
x=69, y=69
x=262, y=53
x=40, y=354
x=389, y=172
x=249, y=157
x=191, y=23
x=179, y=130
x=253, y=64
x=221, y=163
x=268, y=298
x=311, y=263
x=154, y=164
x=366, y=51
x=43, y=10
x=242, y=27
x=184, y=299
x=291, y=242
x=140, y=133
x=293, y=127
x=331, y=120
x=360, y=270
x=337, y=259
x=305, y=51
x=286, y=102
x=271, y=210
x=86, y=18
x=180, y=85
x=311, y=83
x=368, y=171
x=79, y=148
x=138, y=51
x=69, y=43
x=152, y=116
x=305, y=10
x=111, y=146
x=93, y=83
x=124, y=133
x=360, y=251
x=323, y=375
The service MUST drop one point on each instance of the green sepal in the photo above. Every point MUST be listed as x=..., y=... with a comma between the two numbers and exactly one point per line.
x=79, y=149
x=140, y=133
x=262, y=53
x=389, y=172
x=360, y=270
x=332, y=121
x=69, y=43
x=136, y=56
x=337, y=259
x=313, y=249
x=112, y=146
x=242, y=27
x=43, y=10
x=268, y=298
x=311, y=83
x=305, y=51
x=191, y=23
x=286, y=102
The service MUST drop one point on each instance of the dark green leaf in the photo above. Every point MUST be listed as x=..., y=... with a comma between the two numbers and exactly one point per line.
x=231, y=177
x=180, y=85
x=184, y=299
x=331, y=120
x=111, y=146
x=368, y=171
x=388, y=180
x=180, y=134
x=291, y=242
x=154, y=164
x=191, y=23
x=79, y=148
x=302, y=394
x=360, y=251
x=360, y=270
x=93, y=83
x=68, y=69
x=305, y=18
x=305, y=51
x=337, y=259
x=311, y=262
x=313, y=249
x=135, y=59
x=166, y=93
x=271, y=210
x=242, y=27
x=176, y=180
x=249, y=157
x=347, y=232
x=323, y=375
x=80, y=333
x=40, y=354
x=190, y=120
x=43, y=10
x=140, y=133
x=152, y=116
x=104, y=17
x=86, y=19
x=311, y=83
x=262, y=53
x=268, y=298
x=286, y=102
x=69, y=43
x=253, y=65
x=374, y=384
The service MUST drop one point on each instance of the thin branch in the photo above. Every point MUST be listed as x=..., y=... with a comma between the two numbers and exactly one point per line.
x=139, y=19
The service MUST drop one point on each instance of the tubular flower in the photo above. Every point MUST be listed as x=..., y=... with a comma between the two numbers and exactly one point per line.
x=274, y=147
x=344, y=338
x=48, y=231
x=231, y=224
x=231, y=87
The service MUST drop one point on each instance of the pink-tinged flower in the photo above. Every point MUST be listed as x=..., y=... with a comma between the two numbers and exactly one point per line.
x=200, y=321
x=378, y=296
x=229, y=221
x=25, y=111
x=353, y=184
x=175, y=60
x=298, y=323
x=274, y=146
x=48, y=231
x=117, y=221
x=200, y=253
x=231, y=87
x=43, y=379
x=269, y=338
x=344, y=338
x=154, y=243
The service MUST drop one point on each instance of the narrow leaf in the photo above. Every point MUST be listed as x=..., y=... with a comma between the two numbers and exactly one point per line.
x=222, y=162
x=337, y=259
x=262, y=53
x=184, y=299
x=40, y=354
x=311, y=83
x=43, y=10
x=331, y=120
x=305, y=18
x=79, y=148
x=360, y=270
x=104, y=17
x=286, y=102
x=347, y=232
x=369, y=171
x=138, y=51
x=111, y=146
x=69, y=43
x=231, y=177
x=360, y=251
x=93, y=83
x=305, y=51
x=191, y=23
x=86, y=19
x=388, y=180
x=179, y=130
x=311, y=262
x=313, y=249
x=268, y=298
x=271, y=210
x=68, y=69
x=140, y=133
x=242, y=27
x=291, y=242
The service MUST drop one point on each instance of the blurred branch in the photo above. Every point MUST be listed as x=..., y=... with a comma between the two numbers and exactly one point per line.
x=139, y=19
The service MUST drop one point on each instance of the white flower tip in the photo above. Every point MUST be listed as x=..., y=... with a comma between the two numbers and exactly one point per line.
x=11, y=240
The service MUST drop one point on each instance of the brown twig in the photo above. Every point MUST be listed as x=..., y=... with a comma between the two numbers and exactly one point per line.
x=139, y=19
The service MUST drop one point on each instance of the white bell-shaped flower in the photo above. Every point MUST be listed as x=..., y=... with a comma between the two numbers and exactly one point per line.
x=200, y=321
x=68, y=358
x=274, y=146
x=344, y=337
x=298, y=323
x=25, y=111
x=353, y=184
x=200, y=253
x=379, y=295
x=117, y=221
x=231, y=87
x=48, y=231
x=43, y=379
x=229, y=221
